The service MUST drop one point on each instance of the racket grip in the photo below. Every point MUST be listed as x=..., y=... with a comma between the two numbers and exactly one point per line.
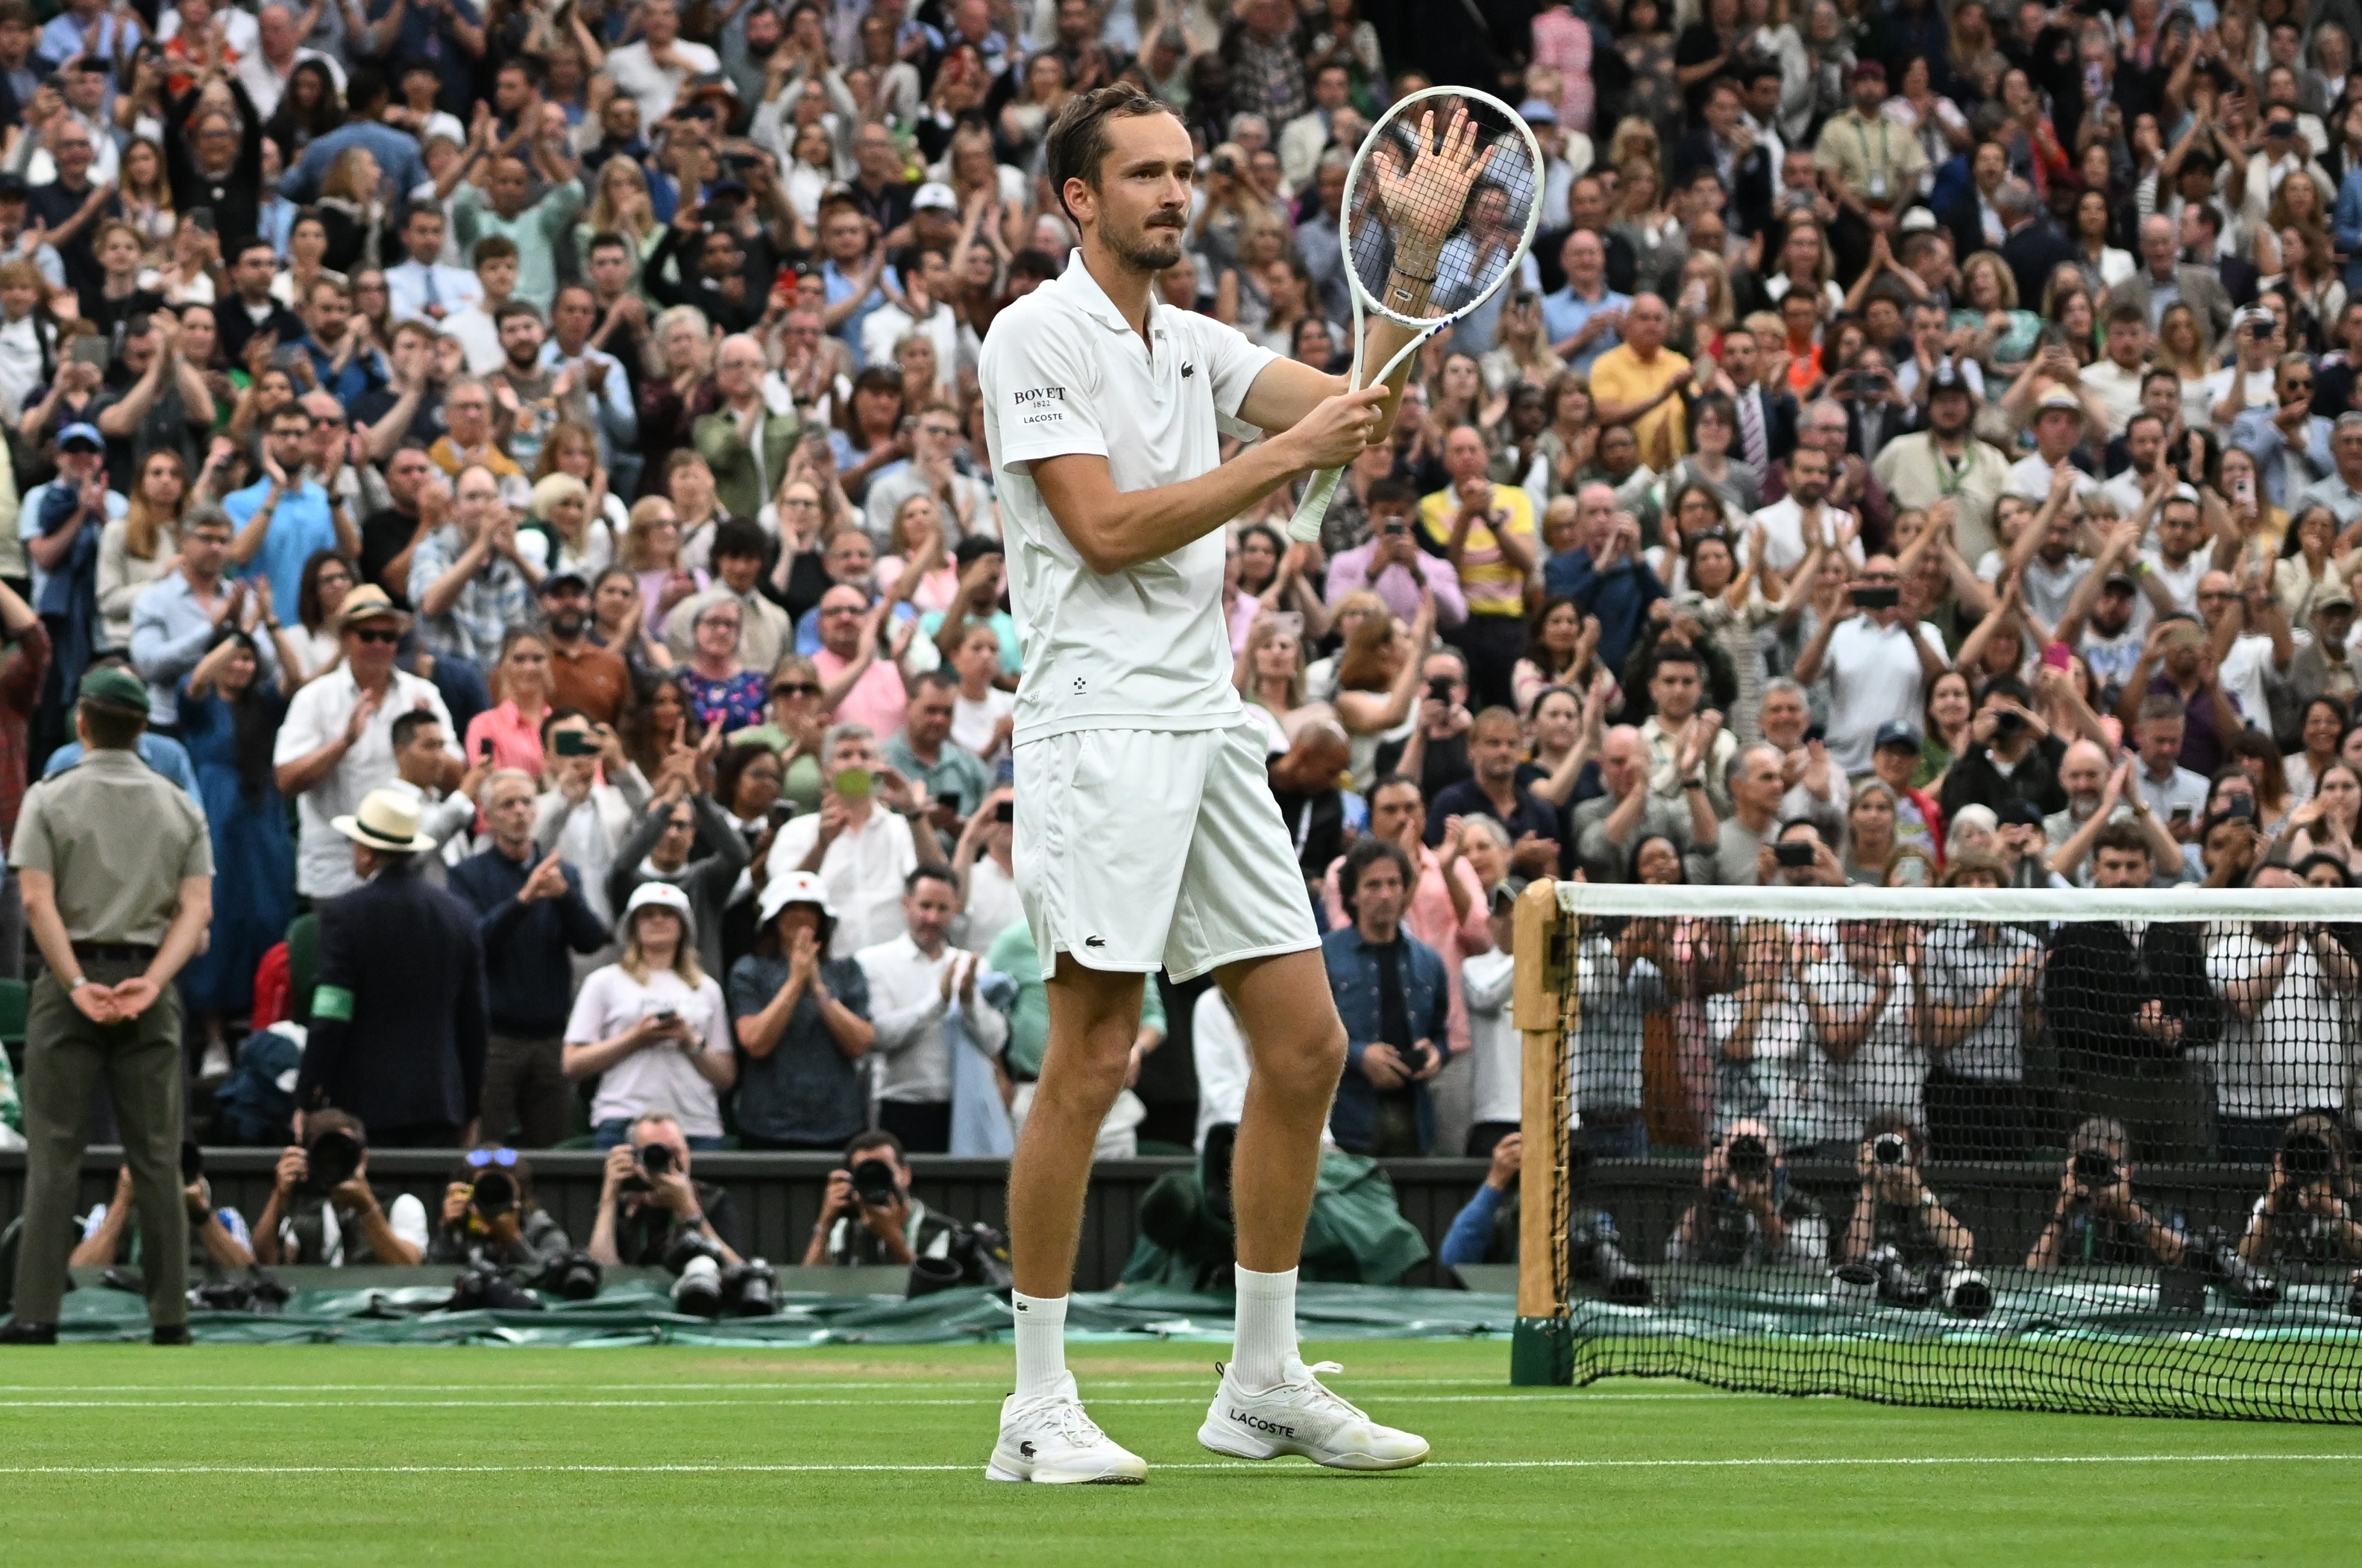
x=1305, y=526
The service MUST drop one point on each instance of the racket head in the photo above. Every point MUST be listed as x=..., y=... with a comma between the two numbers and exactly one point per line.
x=1495, y=224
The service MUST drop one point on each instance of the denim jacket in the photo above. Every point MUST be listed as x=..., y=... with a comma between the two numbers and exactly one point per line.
x=1352, y=964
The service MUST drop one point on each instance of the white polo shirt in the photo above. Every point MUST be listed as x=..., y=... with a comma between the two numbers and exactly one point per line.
x=323, y=861
x=1873, y=678
x=1784, y=534
x=2030, y=476
x=1062, y=372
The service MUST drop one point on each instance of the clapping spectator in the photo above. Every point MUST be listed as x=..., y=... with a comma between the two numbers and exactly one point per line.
x=801, y=1021
x=765, y=633
x=681, y=815
x=469, y=579
x=924, y=1004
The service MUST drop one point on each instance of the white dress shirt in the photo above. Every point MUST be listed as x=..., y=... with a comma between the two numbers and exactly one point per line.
x=907, y=1009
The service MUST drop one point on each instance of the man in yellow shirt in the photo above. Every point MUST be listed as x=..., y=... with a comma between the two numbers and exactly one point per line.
x=1639, y=383
x=1487, y=531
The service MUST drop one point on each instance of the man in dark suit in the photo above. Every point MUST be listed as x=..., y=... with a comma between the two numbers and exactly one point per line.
x=1972, y=218
x=2202, y=246
x=2036, y=246
x=398, y=1026
x=1767, y=415
x=1724, y=145
x=2128, y=1002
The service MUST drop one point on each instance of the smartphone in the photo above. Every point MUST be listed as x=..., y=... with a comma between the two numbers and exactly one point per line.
x=780, y=811
x=2242, y=490
x=574, y=743
x=2057, y=656
x=1797, y=852
x=287, y=356
x=1005, y=812
x=2242, y=808
x=852, y=783
x=1877, y=598
x=201, y=218
x=91, y=349
x=484, y=749
x=1395, y=527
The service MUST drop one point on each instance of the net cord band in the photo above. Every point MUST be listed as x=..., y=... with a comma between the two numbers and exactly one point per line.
x=1944, y=904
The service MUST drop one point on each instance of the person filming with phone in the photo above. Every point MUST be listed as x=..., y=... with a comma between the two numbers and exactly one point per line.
x=868, y=1217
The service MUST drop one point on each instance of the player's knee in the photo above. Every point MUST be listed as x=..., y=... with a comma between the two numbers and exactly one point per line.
x=1307, y=1065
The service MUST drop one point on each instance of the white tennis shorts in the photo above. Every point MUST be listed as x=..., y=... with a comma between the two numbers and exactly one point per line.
x=1141, y=849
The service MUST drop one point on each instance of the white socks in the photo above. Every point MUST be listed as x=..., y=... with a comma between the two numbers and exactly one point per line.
x=1041, y=1343
x=1266, y=1328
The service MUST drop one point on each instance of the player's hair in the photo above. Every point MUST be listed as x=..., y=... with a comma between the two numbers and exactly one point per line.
x=1077, y=142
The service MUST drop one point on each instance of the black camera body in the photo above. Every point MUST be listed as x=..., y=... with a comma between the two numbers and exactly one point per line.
x=1596, y=1255
x=874, y=1184
x=331, y=1159
x=2092, y=1167
x=1890, y=1149
x=494, y=1194
x=1748, y=1159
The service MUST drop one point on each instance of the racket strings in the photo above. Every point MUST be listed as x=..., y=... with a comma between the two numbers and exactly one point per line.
x=1488, y=224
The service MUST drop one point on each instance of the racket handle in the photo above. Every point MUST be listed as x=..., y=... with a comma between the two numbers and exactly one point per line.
x=1305, y=526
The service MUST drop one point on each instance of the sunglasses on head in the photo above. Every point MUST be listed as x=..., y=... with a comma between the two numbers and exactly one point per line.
x=482, y=1157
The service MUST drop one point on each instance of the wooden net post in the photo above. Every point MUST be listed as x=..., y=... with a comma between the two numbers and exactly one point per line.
x=1541, y=1348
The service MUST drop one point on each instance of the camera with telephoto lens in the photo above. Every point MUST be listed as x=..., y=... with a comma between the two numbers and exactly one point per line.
x=873, y=1183
x=1748, y=1159
x=487, y=1287
x=2217, y=1258
x=1594, y=1252
x=751, y=1289
x=493, y=1194
x=2093, y=1167
x=574, y=1275
x=1964, y=1292
x=331, y=1159
x=698, y=1262
x=1891, y=1148
x=1898, y=1284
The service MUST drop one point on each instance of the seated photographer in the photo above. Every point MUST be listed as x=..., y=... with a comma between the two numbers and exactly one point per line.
x=489, y=1216
x=1750, y=1217
x=324, y=1211
x=2096, y=1219
x=650, y=1199
x=1893, y=1207
x=1485, y=1230
x=218, y=1238
x=870, y=1217
x=2307, y=1213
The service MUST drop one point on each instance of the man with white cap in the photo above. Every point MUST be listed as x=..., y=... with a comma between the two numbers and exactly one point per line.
x=336, y=743
x=398, y=1029
x=802, y=1022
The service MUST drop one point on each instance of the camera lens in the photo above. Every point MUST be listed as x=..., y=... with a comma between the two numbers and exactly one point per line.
x=1749, y=1160
x=873, y=1183
x=1889, y=1149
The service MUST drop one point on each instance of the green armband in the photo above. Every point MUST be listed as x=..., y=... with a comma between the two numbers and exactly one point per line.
x=332, y=1001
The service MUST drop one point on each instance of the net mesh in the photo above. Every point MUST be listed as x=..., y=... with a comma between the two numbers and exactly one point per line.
x=1964, y=1148
x=1416, y=164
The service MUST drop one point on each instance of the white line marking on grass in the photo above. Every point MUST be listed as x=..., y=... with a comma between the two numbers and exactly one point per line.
x=1750, y=1463
x=491, y=1400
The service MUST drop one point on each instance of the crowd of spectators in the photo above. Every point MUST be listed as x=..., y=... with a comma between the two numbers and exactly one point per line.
x=1921, y=448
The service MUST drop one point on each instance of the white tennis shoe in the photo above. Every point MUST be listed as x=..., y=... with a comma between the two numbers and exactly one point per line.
x=1300, y=1416
x=1049, y=1438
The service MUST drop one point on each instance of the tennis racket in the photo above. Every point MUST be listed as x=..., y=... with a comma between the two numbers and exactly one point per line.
x=1414, y=158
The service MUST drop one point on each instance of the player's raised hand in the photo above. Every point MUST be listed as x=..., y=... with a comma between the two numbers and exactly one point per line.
x=1337, y=429
x=1425, y=199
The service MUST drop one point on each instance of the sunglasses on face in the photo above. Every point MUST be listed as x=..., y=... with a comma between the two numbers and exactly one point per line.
x=378, y=634
x=796, y=688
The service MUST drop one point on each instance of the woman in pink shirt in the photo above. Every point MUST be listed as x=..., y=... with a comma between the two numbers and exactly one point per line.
x=512, y=730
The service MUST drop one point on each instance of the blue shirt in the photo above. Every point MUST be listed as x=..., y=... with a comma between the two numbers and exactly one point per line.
x=1353, y=965
x=1564, y=313
x=300, y=525
x=170, y=633
x=839, y=287
x=396, y=153
x=1619, y=597
x=2260, y=434
x=161, y=752
x=28, y=528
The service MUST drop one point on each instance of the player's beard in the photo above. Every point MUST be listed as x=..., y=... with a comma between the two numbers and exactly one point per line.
x=1155, y=246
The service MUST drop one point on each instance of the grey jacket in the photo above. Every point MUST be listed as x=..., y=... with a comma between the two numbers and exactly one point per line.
x=708, y=881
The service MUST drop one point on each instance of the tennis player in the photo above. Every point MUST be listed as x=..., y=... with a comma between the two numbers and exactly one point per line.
x=1146, y=835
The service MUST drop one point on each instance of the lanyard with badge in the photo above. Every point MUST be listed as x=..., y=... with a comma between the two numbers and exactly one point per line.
x=1877, y=177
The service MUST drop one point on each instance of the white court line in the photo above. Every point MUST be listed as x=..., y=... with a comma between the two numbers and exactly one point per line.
x=1750, y=1463
x=747, y=1402
x=763, y=1381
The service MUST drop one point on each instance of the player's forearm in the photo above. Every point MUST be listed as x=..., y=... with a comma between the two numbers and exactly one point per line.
x=1114, y=530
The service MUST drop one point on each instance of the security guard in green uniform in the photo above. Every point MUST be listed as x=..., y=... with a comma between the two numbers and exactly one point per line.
x=117, y=876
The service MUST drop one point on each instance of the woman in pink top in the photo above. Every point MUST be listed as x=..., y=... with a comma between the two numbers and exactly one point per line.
x=1239, y=606
x=920, y=568
x=512, y=730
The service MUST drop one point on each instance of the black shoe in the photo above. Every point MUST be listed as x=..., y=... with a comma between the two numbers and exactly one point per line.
x=15, y=1332
x=168, y=1333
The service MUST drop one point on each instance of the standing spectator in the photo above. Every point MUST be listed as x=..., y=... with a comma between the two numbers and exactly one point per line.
x=2012, y=755
x=1870, y=680
x=1487, y=531
x=174, y=618
x=924, y=753
x=230, y=712
x=652, y=1028
x=591, y=680
x=397, y=1032
x=71, y=208
x=744, y=442
x=803, y=1025
x=1444, y=906
x=509, y=735
x=2121, y=995
x=1496, y=751
x=117, y=875
x=765, y=633
x=503, y=208
x=61, y=523
x=655, y=67
x=678, y=815
x=284, y=518
x=863, y=843
x=925, y=1005
x=1391, y=564
x=862, y=683
x=1605, y=573
x=469, y=578
x=1608, y=827
x=336, y=744
x=1393, y=997
x=530, y=914
x=1755, y=787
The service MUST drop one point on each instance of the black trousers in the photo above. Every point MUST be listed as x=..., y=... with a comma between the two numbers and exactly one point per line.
x=1492, y=645
x=1483, y=1135
x=924, y=1128
x=420, y=1135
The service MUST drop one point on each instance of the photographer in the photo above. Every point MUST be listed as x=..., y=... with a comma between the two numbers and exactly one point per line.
x=870, y=1217
x=2096, y=1219
x=2306, y=1214
x=1750, y=1217
x=649, y=1200
x=218, y=1238
x=489, y=1217
x=323, y=1210
x=1893, y=1208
